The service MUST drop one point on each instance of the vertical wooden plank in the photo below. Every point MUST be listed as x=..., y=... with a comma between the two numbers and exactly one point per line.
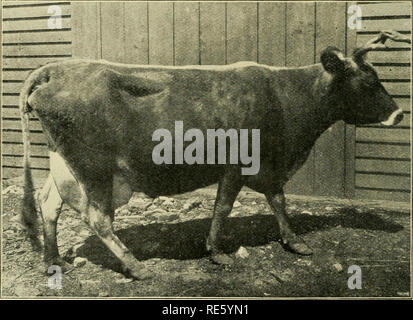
x=300, y=34
x=186, y=33
x=136, y=33
x=329, y=165
x=212, y=33
x=161, y=34
x=241, y=31
x=350, y=130
x=86, y=41
x=300, y=51
x=112, y=26
x=271, y=33
x=1, y=122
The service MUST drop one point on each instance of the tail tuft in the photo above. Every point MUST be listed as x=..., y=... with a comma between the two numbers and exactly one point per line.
x=28, y=212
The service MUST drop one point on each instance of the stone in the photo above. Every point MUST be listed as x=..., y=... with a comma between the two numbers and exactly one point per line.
x=166, y=201
x=286, y=275
x=303, y=262
x=22, y=290
x=237, y=204
x=156, y=212
x=139, y=203
x=191, y=204
x=13, y=189
x=338, y=267
x=242, y=253
x=124, y=280
x=84, y=233
x=79, y=262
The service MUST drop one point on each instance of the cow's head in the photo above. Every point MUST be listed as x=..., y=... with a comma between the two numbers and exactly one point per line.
x=356, y=85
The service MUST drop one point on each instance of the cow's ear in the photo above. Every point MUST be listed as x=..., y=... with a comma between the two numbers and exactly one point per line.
x=332, y=60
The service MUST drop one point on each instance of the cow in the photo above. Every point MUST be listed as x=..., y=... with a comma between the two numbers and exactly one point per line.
x=99, y=118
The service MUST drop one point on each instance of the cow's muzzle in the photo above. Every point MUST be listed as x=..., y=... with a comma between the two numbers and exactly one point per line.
x=394, y=118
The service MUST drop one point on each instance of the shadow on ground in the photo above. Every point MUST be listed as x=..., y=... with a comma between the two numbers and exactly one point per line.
x=186, y=240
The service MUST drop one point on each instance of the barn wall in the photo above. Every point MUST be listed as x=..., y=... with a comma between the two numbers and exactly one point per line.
x=383, y=156
x=27, y=43
x=346, y=161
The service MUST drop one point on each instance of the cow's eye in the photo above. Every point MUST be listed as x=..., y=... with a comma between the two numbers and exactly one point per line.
x=369, y=83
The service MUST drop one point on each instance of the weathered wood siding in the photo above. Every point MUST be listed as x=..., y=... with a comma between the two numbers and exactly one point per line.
x=383, y=156
x=28, y=42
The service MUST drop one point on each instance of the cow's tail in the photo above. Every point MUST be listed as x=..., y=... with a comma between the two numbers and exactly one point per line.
x=28, y=212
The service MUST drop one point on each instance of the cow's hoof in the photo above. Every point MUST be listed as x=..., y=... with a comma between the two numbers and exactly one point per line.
x=222, y=259
x=298, y=246
x=139, y=273
x=51, y=264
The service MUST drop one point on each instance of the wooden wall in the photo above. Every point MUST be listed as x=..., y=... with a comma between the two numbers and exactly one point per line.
x=27, y=43
x=281, y=34
x=383, y=156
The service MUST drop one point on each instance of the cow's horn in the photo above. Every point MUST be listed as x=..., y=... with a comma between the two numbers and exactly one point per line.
x=378, y=43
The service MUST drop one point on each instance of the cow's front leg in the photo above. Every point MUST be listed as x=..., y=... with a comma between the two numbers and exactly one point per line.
x=228, y=189
x=101, y=224
x=98, y=214
x=289, y=239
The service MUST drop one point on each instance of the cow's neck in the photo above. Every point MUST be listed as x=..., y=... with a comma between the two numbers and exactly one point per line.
x=306, y=106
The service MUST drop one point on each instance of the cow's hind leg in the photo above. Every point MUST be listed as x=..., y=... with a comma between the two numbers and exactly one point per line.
x=50, y=204
x=291, y=241
x=228, y=189
x=95, y=204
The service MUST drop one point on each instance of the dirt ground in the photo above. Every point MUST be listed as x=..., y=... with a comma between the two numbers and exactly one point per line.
x=168, y=236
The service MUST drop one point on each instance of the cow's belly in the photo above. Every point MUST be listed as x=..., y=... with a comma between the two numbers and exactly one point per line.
x=155, y=180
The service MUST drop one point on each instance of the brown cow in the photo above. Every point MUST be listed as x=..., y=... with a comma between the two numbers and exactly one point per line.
x=99, y=118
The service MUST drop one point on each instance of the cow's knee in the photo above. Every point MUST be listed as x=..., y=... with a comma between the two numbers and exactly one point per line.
x=122, y=191
x=100, y=222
